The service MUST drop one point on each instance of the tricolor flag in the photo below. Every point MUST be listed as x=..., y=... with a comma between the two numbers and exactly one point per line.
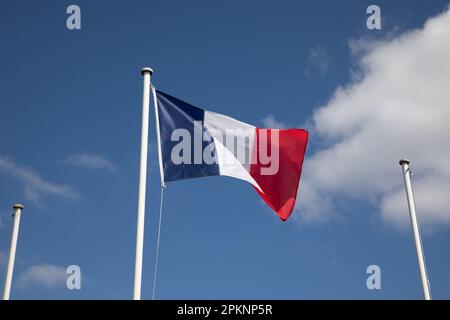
x=198, y=143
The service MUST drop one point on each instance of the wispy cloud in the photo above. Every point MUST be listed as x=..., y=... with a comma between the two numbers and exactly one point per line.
x=318, y=62
x=398, y=108
x=35, y=186
x=90, y=161
x=43, y=275
x=269, y=121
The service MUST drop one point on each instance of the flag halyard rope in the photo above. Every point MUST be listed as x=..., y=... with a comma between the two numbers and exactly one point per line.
x=158, y=242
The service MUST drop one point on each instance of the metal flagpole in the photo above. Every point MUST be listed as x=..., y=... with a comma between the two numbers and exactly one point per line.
x=12, y=251
x=415, y=227
x=146, y=72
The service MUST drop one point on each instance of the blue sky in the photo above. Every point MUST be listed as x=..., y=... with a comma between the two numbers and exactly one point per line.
x=70, y=115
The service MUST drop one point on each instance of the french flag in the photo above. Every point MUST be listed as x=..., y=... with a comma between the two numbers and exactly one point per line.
x=198, y=143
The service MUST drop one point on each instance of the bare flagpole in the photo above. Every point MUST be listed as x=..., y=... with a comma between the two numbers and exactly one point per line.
x=146, y=72
x=12, y=251
x=415, y=228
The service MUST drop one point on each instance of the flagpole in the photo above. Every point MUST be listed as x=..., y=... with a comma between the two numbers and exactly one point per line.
x=146, y=73
x=12, y=251
x=416, y=231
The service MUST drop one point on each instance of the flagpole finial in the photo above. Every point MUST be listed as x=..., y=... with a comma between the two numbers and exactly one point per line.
x=147, y=70
x=18, y=206
x=403, y=161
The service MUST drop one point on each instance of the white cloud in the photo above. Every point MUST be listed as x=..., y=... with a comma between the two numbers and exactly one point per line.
x=91, y=161
x=318, y=62
x=400, y=107
x=35, y=186
x=269, y=121
x=43, y=275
